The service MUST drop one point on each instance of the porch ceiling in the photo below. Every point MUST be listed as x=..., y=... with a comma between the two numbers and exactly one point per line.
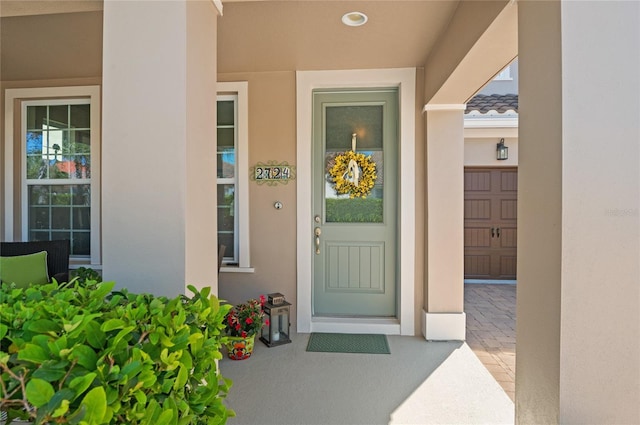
x=44, y=7
x=258, y=36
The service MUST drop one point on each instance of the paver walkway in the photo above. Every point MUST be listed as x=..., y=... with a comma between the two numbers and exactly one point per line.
x=491, y=329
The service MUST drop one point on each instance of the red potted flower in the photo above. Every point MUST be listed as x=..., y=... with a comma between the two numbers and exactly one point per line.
x=243, y=322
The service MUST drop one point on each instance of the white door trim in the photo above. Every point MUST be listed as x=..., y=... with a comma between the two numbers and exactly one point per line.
x=306, y=82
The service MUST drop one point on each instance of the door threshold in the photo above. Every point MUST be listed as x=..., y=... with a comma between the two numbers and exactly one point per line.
x=491, y=281
x=356, y=325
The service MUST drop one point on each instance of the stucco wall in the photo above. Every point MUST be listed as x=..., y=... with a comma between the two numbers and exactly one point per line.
x=539, y=213
x=272, y=136
x=158, y=162
x=601, y=219
x=481, y=152
x=578, y=306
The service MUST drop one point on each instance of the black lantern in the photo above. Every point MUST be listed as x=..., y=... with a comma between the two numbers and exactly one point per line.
x=277, y=311
x=502, y=152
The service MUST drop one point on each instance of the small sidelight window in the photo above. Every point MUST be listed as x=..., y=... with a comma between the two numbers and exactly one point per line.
x=232, y=178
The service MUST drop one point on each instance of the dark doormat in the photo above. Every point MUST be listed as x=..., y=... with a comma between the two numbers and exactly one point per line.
x=348, y=343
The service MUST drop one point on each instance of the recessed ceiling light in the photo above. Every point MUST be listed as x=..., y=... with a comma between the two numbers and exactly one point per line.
x=354, y=19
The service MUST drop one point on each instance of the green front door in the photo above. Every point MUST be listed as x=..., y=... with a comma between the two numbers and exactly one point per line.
x=354, y=246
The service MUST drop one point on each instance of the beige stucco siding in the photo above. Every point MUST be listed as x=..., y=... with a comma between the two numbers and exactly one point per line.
x=272, y=137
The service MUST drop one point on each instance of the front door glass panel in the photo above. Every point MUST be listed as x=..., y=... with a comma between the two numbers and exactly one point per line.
x=341, y=123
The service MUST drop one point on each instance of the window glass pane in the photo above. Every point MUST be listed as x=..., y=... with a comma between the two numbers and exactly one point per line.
x=39, y=218
x=81, y=218
x=80, y=116
x=58, y=116
x=39, y=235
x=36, y=117
x=36, y=162
x=226, y=112
x=226, y=153
x=343, y=121
x=226, y=218
x=81, y=243
x=61, y=218
x=76, y=156
x=61, y=212
x=58, y=154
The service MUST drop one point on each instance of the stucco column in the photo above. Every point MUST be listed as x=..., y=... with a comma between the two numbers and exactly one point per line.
x=159, y=98
x=578, y=301
x=444, y=318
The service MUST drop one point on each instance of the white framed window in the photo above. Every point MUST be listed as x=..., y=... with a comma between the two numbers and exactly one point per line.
x=58, y=155
x=232, y=175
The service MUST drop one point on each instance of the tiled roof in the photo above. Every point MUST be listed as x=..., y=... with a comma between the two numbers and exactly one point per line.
x=500, y=103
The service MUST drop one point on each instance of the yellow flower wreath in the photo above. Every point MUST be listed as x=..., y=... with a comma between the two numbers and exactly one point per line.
x=343, y=178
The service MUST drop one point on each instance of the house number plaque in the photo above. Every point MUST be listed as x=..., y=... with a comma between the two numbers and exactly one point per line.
x=273, y=172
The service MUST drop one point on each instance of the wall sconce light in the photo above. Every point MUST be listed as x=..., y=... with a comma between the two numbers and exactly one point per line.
x=502, y=152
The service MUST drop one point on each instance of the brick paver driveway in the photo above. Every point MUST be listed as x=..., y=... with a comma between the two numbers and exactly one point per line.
x=491, y=329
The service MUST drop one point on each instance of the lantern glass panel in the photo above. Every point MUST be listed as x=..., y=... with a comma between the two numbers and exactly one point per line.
x=277, y=331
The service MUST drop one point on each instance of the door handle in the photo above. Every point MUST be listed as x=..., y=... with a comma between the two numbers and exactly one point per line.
x=498, y=232
x=317, y=232
x=493, y=232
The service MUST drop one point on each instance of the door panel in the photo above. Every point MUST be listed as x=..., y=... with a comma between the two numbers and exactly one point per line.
x=490, y=236
x=355, y=250
x=352, y=267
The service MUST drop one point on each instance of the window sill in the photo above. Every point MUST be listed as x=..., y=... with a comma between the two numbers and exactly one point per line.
x=77, y=263
x=236, y=269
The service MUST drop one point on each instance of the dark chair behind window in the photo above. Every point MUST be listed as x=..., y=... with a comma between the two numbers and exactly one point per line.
x=221, y=249
x=57, y=255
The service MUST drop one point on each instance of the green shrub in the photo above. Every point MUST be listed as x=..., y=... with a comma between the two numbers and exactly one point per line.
x=81, y=354
x=85, y=274
x=354, y=210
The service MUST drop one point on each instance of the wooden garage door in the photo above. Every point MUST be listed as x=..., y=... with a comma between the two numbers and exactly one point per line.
x=490, y=218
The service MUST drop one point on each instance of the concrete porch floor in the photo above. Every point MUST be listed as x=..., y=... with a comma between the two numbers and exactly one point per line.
x=420, y=382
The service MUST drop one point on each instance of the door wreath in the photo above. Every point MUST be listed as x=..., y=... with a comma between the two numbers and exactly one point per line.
x=353, y=174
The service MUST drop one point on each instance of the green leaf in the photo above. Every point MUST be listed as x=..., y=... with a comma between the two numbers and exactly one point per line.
x=57, y=345
x=32, y=353
x=3, y=330
x=85, y=356
x=112, y=324
x=132, y=369
x=50, y=371
x=61, y=410
x=39, y=392
x=165, y=418
x=124, y=332
x=42, y=326
x=70, y=327
x=102, y=290
x=150, y=413
x=141, y=397
x=171, y=405
x=57, y=402
x=81, y=383
x=181, y=379
x=95, y=403
x=95, y=336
